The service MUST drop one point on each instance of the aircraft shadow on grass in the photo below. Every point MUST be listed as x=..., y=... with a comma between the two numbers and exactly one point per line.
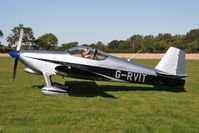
x=91, y=89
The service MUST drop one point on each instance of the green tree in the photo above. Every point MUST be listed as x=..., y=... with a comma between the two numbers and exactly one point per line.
x=124, y=45
x=113, y=45
x=47, y=41
x=179, y=44
x=93, y=45
x=84, y=44
x=160, y=46
x=1, y=35
x=167, y=37
x=69, y=45
x=149, y=36
x=148, y=44
x=192, y=35
x=99, y=45
x=193, y=47
x=135, y=41
x=178, y=37
x=28, y=37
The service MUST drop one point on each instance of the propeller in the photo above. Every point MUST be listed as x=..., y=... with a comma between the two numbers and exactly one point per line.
x=15, y=53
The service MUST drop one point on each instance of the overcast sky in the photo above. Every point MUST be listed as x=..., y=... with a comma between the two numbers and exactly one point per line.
x=89, y=21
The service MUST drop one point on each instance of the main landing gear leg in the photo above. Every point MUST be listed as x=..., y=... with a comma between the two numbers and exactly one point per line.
x=52, y=88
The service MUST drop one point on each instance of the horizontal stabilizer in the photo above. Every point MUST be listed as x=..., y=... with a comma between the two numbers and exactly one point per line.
x=162, y=74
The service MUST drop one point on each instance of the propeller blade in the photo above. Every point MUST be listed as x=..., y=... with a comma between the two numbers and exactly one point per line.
x=15, y=69
x=20, y=39
x=15, y=53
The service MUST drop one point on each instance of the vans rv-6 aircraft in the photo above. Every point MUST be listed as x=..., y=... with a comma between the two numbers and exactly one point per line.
x=90, y=63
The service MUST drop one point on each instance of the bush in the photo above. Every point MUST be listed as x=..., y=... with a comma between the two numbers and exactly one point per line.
x=4, y=49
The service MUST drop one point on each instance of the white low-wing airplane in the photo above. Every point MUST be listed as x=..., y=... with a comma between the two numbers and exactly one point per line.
x=90, y=63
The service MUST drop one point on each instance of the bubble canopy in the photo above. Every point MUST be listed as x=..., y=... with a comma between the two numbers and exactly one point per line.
x=87, y=53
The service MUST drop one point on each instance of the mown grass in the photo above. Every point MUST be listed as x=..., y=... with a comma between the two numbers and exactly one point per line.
x=97, y=106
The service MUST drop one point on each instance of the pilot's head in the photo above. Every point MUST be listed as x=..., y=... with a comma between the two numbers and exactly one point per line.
x=87, y=51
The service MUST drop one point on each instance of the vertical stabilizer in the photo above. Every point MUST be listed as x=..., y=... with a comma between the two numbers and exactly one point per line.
x=173, y=62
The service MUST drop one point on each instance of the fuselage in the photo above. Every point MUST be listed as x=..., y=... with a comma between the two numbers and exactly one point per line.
x=66, y=63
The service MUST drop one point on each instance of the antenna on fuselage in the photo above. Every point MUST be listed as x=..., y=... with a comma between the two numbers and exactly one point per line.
x=134, y=55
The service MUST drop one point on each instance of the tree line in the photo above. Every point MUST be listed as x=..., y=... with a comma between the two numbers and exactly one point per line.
x=149, y=43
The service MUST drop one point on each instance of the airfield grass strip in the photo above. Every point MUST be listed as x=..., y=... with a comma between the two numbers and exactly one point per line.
x=97, y=106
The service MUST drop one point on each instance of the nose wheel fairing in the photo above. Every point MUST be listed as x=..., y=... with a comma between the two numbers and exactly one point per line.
x=52, y=90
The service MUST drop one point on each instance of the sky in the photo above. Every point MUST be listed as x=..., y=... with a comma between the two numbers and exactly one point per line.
x=90, y=21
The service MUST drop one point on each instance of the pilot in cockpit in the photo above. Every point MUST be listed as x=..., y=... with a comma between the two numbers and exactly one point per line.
x=86, y=53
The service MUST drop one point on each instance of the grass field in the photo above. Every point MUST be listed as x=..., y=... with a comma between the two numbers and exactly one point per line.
x=96, y=107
